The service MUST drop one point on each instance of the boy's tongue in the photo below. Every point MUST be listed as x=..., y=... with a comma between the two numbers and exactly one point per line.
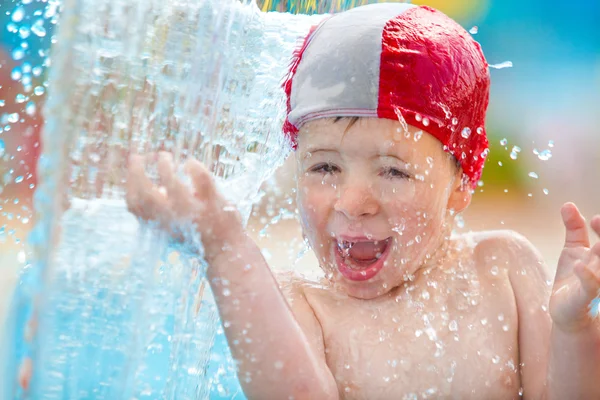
x=366, y=251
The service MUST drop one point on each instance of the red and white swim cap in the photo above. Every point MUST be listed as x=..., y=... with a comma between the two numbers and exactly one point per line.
x=395, y=60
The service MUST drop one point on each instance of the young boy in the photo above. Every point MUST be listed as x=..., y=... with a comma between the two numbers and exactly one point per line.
x=386, y=109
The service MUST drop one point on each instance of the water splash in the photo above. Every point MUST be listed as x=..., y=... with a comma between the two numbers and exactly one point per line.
x=186, y=76
x=502, y=65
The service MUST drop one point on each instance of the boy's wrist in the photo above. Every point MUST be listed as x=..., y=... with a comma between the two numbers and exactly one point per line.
x=227, y=243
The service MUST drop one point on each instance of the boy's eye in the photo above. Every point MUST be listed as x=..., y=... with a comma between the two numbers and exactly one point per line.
x=395, y=173
x=325, y=168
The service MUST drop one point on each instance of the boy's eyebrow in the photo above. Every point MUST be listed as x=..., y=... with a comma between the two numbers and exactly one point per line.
x=391, y=156
x=312, y=150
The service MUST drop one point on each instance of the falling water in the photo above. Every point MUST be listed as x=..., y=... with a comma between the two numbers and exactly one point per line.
x=121, y=312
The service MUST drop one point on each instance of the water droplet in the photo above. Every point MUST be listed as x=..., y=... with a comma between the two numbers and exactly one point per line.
x=51, y=10
x=38, y=28
x=454, y=121
x=418, y=135
x=453, y=326
x=12, y=28
x=504, y=142
x=2, y=148
x=19, y=179
x=505, y=64
x=484, y=321
x=30, y=108
x=418, y=117
x=18, y=14
x=474, y=30
x=545, y=191
x=505, y=328
x=13, y=118
x=500, y=317
x=2, y=102
x=16, y=74
x=480, y=131
x=346, y=366
x=496, y=359
x=18, y=54
x=425, y=121
x=226, y=292
x=20, y=98
x=494, y=270
x=515, y=152
x=24, y=32
x=39, y=90
x=466, y=132
x=533, y=175
x=543, y=155
x=551, y=143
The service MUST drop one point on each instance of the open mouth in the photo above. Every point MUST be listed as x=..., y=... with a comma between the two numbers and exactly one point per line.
x=361, y=260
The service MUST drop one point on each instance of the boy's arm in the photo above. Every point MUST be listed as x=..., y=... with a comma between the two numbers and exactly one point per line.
x=276, y=359
x=564, y=361
x=530, y=278
x=575, y=348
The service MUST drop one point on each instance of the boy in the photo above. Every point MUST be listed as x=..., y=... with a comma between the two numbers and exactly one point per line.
x=386, y=109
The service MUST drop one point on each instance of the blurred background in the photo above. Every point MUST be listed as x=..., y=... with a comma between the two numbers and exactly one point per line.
x=542, y=123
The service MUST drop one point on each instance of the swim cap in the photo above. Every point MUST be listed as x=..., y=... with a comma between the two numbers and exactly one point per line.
x=395, y=61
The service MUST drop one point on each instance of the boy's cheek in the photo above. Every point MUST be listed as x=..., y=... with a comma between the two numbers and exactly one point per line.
x=312, y=206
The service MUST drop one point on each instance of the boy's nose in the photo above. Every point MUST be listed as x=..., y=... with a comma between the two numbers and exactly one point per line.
x=356, y=201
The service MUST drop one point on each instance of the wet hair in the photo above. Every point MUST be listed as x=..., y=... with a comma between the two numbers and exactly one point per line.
x=353, y=120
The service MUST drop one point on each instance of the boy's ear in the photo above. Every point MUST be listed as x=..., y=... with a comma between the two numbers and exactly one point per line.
x=460, y=197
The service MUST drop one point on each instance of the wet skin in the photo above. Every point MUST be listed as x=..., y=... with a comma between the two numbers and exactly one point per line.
x=476, y=316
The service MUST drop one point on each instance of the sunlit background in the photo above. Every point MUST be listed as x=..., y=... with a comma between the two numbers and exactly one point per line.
x=542, y=123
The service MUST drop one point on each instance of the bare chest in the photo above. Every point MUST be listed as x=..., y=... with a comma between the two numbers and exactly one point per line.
x=423, y=346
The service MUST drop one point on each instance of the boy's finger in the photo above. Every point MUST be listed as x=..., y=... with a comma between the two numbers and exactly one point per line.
x=596, y=224
x=576, y=234
x=201, y=178
x=143, y=198
x=595, y=250
x=589, y=275
x=177, y=190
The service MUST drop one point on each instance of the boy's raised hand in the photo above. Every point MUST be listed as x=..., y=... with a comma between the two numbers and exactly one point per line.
x=577, y=280
x=177, y=206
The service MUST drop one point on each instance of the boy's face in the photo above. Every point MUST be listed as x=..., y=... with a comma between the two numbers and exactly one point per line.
x=374, y=200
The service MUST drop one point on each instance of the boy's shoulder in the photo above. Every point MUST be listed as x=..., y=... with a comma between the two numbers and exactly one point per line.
x=503, y=248
x=503, y=242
